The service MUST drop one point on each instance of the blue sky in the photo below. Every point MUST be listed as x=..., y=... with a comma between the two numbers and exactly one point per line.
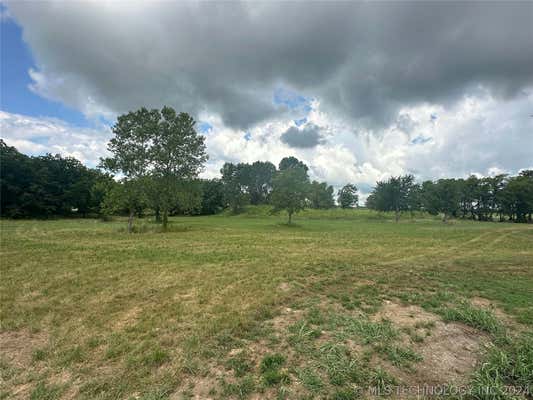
x=16, y=60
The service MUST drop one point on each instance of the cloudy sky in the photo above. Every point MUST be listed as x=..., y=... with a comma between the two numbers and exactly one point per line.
x=359, y=91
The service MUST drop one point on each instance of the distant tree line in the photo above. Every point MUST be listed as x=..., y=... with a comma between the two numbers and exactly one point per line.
x=287, y=187
x=156, y=156
x=48, y=185
x=500, y=198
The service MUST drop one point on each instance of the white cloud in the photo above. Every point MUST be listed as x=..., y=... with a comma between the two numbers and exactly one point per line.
x=37, y=135
x=477, y=135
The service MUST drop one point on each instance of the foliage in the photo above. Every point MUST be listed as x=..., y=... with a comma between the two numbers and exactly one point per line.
x=321, y=195
x=177, y=154
x=292, y=162
x=290, y=190
x=396, y=194
x=212, y=200
x=257, y=179
x=347, y=196
x=48, y=185
x=159, y=151
x=476, y=198
x=235, y=197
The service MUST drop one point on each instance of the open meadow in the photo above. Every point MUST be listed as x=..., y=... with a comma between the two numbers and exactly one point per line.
x=342, y=304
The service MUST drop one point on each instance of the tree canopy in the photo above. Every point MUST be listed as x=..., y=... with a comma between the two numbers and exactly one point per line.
x=290, y=190
x=158, y=151
x=347, y=196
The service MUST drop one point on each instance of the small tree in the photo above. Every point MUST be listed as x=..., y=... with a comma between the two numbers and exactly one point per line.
x=290, y=189
x=348, y=196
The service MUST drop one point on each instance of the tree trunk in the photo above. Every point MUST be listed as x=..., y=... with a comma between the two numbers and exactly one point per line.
x=445, y=218
x=290, y=218
x=165, y=219
x=130, y=220
x=397, y=215
x=158, y=215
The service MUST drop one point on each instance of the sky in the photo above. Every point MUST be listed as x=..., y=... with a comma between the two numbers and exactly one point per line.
x=359, y=91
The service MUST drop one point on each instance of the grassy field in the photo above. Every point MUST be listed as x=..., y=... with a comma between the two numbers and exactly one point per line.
x=340, y=305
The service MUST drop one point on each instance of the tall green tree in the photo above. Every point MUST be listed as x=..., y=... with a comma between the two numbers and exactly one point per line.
x=257, y=179
x=235, y=196
x=290, y=190
x=320, y=195
x=292, y=162
x=45, y=185
x=347, y=196
x=442, y=197
x=158, y=151
x=176, y=155
x=131, y=156
x=517, y=197
x=396, y=195
x=212, y=196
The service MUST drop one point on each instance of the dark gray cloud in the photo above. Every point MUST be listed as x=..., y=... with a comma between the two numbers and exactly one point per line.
x=363, y=61
x=309, y=136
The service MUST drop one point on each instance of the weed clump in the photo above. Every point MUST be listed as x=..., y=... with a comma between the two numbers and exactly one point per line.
x=271, y=370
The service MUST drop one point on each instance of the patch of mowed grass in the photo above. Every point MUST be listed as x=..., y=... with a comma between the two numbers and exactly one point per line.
x=45, y=392
x=217, y=280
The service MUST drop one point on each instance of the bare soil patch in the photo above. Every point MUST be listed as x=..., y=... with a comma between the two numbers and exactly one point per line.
x=287, y=317
x=404, y=316
x=450, y=352
x=129, y=318
x=17, y=347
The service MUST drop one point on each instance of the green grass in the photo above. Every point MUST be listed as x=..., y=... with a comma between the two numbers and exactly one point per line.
x=103, y=314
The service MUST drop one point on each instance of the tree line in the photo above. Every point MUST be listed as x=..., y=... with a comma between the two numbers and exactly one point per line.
x=48, y=185
x=154, y=164
x=501, y=197
x=155, y=158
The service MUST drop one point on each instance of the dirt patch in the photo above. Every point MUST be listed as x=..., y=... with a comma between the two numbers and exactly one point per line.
x=198, y=388
x=450, y=353
x=284, y=287
x=22, y=391
x=65, y=378
x=207, y=386
x=17, y=347
x=287, y=318
x=404, y=316
x=129, y=318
